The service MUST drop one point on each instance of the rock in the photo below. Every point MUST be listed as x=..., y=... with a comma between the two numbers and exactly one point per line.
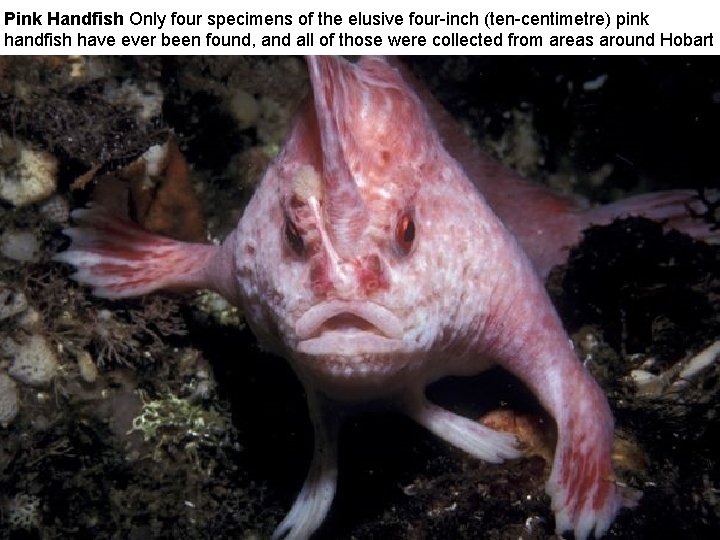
x=12, y=302
x=30, y=178
x=701, y=361
x=162, y=194
x=29, y=319
x=22, y=246
x=56, y=210
x=648, y=384
x=245, y=108
x=88, y=369
x=23, y=512
x=34, y=361
x=146, y=99
x=9, y=402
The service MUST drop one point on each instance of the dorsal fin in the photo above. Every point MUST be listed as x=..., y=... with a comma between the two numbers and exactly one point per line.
x=334, y=89
x=368, y=118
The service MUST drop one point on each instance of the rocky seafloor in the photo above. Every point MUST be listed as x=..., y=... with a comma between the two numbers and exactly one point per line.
x=159, y=417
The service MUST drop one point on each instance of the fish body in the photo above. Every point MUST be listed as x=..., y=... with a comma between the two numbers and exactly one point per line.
x=370, y=258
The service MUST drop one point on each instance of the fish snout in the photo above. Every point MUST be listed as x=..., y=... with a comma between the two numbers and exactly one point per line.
x=372, y=274
x=364, y=275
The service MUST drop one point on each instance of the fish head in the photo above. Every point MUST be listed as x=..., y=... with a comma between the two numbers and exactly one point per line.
x=363, y=275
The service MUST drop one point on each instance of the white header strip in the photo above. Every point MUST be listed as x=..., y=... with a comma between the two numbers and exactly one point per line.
x=274, y=27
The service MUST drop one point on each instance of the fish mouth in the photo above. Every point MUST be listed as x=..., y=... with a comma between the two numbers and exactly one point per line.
x=341, y=327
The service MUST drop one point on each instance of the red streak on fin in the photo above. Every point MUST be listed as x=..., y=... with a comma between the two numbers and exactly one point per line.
x=118, y=258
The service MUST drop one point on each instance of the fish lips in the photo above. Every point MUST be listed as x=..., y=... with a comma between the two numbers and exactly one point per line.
x=342, y=327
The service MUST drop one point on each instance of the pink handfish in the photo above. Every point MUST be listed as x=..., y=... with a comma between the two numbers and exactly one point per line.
x=383, y=251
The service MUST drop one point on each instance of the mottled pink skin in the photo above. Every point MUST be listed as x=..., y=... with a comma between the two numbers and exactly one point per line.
x=325, y=277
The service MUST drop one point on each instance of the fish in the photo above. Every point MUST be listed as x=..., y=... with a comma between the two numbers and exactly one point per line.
x=382, y=251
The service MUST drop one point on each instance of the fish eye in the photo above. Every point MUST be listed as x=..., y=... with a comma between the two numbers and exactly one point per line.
x=405, y=233
x=293, y=238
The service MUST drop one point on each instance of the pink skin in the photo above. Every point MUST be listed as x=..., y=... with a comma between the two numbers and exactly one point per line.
x=368, y=258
